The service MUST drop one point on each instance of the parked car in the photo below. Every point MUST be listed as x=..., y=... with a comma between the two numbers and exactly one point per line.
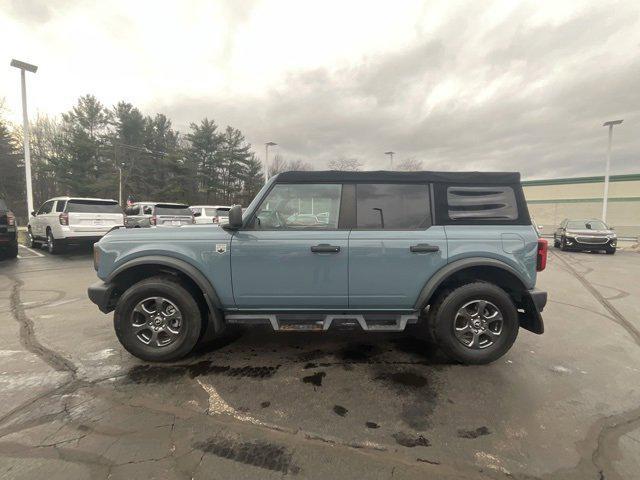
x=154, y=214
x=592, y=235
x=8, y=232
x=207, y=214
x=454, y=252
x=64, y=221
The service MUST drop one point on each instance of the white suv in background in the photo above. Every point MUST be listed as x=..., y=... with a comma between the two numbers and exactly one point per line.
x=69, y=220
x=210, y=213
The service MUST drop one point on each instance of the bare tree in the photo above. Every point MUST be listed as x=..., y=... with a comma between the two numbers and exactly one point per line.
x=410, y=165
x=280, y=165
x=345, y=164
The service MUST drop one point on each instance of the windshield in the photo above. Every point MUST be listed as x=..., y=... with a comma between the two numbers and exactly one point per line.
x=92, y=206
x=586, y=225
x=173, y=210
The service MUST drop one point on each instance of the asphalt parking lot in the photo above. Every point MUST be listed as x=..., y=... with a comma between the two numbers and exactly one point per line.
x=255, y=404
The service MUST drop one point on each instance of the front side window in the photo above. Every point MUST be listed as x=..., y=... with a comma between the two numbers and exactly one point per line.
x=481, y=203
x=300, y=207
x=392, y=206
x=46, y=208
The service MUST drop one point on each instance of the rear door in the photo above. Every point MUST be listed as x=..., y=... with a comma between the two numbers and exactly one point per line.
x=93, y=216
x=278, y=262
x=394, y=248
x=173, y=215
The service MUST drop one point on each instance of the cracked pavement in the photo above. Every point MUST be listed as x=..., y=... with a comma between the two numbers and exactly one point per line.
x=256, y=404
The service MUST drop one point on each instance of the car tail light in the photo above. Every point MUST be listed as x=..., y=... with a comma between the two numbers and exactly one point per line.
x=153, y=220
x=543, y=248
x=11, y=219
x=64, y=218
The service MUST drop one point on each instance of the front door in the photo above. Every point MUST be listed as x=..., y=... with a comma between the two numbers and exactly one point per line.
x=292, y=254
x=394, y=249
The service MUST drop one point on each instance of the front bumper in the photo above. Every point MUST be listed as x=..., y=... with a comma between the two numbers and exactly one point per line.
x=586, y=243
x=101, y=294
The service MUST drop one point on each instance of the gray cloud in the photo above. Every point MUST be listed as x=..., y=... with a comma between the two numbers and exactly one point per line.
x=549, y=87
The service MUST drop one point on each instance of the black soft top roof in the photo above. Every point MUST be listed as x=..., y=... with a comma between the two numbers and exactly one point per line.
x=481, y=178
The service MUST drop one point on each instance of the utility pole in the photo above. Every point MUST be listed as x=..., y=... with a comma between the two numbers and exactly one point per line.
x=391, y=154
x=605, y=196
x=266, y=159
x=26, y=67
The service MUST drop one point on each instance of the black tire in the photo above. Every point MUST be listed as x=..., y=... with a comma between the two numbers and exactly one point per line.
x=556, y=243
x=172, y=290
x=31, y=241
x=610, y=251
x=12, y=251
x=563, y=244
x=443, y=313
x=53, y=246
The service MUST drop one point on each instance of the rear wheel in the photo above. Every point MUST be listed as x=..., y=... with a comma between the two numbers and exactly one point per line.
x=12, y=251
x=476, y=323
x=158, y=320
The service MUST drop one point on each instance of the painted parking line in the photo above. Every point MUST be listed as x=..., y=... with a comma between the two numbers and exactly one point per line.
x=31, y=253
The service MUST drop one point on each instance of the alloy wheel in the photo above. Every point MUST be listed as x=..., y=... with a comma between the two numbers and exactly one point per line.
x=156, y=321
x=478, y=324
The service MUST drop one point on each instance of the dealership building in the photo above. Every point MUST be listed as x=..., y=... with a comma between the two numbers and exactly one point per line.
x=551, y=201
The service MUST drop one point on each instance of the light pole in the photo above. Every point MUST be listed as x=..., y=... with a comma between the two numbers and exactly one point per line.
x=23, y=66
x=266, y=159
x=391, y=154
x=609, y=124
x=119, y=167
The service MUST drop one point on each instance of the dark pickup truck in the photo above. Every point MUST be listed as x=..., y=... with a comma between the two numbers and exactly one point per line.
x=8, y=232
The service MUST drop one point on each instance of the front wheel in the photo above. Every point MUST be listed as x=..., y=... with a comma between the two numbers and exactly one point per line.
x=53, y=246
x=563, y=244
x=476, y=323
x=610, y=251
x=31, y=241
x=157, y=320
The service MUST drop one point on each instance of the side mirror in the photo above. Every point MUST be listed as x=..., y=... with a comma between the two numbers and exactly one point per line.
x=612, y=228
x=235, y=218
x=33, y=213
x=197, y=214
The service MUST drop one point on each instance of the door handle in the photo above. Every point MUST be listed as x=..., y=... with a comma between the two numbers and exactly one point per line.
x=325, y=248
x=424, y=248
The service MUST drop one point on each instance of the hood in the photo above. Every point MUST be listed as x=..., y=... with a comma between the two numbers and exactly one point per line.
x=185, y=232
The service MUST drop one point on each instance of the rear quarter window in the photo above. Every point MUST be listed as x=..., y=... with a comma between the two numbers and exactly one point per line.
x=85, y=206
x=481, y=204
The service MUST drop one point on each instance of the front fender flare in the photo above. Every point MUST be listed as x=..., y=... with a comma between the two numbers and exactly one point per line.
x=208, y=291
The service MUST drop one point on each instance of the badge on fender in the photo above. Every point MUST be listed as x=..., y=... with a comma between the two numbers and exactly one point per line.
x=221, y=247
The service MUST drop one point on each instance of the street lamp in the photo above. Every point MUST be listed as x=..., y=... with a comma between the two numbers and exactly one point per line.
x=609, y=124
x=266, y=158
x=23, y=66
x=391, y=154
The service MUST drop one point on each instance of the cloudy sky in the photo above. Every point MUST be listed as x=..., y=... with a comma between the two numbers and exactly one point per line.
x=474, y=85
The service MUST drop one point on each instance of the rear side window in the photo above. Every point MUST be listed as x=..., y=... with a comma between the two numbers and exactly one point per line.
x=60, y=205
x=223, y=212
x=481, y=203
x=392, y=206
x=92, y=206
x=133, y=210
x=170, y=210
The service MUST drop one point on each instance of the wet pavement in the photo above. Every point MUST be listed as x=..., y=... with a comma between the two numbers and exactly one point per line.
x=258, y=404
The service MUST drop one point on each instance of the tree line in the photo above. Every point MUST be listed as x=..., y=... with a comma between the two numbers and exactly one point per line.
x=80, y=152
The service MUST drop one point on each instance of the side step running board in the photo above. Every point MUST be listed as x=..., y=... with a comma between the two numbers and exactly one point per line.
x=315, y=322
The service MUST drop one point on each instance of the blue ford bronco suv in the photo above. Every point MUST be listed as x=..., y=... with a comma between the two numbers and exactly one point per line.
x=454, y=252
